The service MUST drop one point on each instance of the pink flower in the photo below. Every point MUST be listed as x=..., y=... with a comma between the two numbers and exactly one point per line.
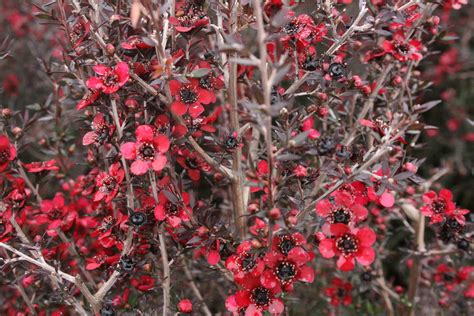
x=349, y=245
x=109, y=80
x=147, y=152
x=440, y=206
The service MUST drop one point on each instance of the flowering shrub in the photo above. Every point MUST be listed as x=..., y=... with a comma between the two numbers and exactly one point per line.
x=229, y=157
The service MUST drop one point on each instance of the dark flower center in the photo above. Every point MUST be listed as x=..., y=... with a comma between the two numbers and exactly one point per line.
x=340, y=292
x=260, y=296
x=147, y=152
x=172, y=208
x=291, y=27
x=192, y=163
x=110, y=79
x=247, y=262
x=2, y=228
x=336, y=70
x=107, y=311
x=286, y=244
x=4, y=156
x=438, y=206
x=341, y=215
x=188, y=95
x=231, y=142
x=285, y=271
x=207, y=82
x=137, y=218
x=347, y=244
x=447, y=277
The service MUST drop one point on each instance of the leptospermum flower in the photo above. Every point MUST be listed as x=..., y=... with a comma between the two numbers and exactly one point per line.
x=189, y=97
x=7, y=152
x=110, y=79
x=255, y=301
x=440, y=206
x=108, y=183
x=349, y=245
x=283, y=270
x=101, y=131
x=147, y=152
x=173, y=213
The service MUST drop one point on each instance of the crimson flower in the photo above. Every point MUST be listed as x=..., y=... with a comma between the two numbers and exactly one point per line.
x=243, y=263
x=56, y=214
x=143, y=283
x=108, y=183
x=147, y=152
x=285, y=270
x=189, y=97
x=286, y=242
x=188, y=18
x=41, y=166
x=343, y=210
x=440, y=207
x=7, y=152
x=339, y=293
x=109, y=79
x=101, y=131
x=79, y=32
x=173, y=213
x=193, y=163
x=255, y=301
x=349, y=245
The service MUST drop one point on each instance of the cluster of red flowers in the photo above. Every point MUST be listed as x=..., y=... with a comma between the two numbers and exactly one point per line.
x=277, y=171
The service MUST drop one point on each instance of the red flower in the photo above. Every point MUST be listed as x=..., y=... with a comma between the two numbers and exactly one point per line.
x=109, y=80
x=189, y=97
x=189, y=17
x=147, y=152
x=399, y=48
x=101, y=131
x=255, y=302
x=349, y=245
x=42, y=166
x=244, y=264
x=79, y=32
x=440, y=207
x=173, y=212
x=343, y=210
x=185, y=306
x=285, y=270
x=193, y=164
x=7, y=152
x=302, y=30
x=286, y=242
x=144, y=283
x=56, y=214
x=339, y=292
x=108, y=183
